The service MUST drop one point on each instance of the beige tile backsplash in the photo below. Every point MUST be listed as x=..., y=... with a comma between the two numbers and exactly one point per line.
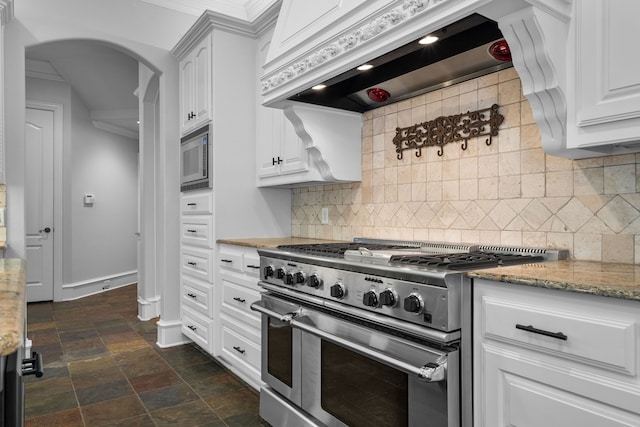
x=507, y=193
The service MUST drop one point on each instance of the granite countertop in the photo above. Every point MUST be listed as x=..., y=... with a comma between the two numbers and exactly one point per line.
x=272, y=242
x=597, y=278
x=12, y=304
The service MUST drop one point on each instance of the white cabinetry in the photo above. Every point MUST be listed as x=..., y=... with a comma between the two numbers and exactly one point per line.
x=302, y=144
x=239, y=325
x=221, y=54
x=197, y=268
x=280, y=150
x=195, y=87
x=551, y=358
x=605, y=95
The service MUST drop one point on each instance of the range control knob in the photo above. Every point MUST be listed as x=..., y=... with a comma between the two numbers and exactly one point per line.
x=288, y=279
x=413, y=304
x=387, y=298
x=280, y=273
x=299, y=277
x=315, y=281
x=338, y=291
x=268, y=271
x=370, y=299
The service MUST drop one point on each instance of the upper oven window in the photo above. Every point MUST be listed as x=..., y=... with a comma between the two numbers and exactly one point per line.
x=360, y=391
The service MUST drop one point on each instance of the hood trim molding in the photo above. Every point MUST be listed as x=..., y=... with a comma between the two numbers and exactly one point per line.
x=409, y=9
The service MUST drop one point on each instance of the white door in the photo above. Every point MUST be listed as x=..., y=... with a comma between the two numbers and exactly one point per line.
x=39, y=203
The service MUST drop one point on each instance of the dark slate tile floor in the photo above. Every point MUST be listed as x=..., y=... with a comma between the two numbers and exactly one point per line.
x=102, y=367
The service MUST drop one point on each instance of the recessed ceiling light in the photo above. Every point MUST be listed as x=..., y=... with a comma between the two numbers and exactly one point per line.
x=428, y=39
x=319, y=87
x=365, y=67
x=138, y=122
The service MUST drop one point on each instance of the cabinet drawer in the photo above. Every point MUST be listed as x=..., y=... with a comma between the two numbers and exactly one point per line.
x=197, y=263
x=197, y=231
x=236, y=301
x=236, y=346
x=197, y=296
x=231, y=261
x=251, y=264
x=198, y=328
x=197, y=203
x=582, y=334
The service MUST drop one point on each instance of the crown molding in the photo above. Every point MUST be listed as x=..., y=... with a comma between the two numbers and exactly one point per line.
x=6, y=11
x=118, y=130
x=41, y=70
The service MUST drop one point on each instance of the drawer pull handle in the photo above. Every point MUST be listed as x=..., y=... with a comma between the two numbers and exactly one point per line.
x=226, y=260
x=529, y=328
x=193, y=328
x=191, y=231
x=191, y=263
x=242, y=300
x=238, y=349
x=192, y=204
x=257, y=267
x=192, y=296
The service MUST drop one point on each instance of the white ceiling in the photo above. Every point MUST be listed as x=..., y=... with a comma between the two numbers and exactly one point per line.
x=105, y=79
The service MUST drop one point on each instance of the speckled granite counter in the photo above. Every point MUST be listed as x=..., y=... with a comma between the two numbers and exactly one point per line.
x=606, y=279
x=12, y=304
x=272, y=242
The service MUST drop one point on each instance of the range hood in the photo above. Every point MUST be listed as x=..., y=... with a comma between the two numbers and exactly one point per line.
x=567, y=53
x=461, y=52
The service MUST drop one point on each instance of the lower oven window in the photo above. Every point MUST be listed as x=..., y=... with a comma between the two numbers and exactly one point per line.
x=280, y=351
x=360, y=391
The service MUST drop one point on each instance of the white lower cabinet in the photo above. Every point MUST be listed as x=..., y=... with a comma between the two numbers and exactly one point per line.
x=545, y=358
x=239, y=327
x=198, y=328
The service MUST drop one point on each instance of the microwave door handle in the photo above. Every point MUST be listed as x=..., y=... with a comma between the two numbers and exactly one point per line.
x=259, y=306
x=430, y=372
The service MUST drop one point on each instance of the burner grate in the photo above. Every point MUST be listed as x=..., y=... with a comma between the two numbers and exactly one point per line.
x=465, y=261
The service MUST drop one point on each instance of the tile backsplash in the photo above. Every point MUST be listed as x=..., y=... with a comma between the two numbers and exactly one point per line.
x=506, y=193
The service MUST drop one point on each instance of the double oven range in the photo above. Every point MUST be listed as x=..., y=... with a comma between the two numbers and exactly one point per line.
x=371, y=332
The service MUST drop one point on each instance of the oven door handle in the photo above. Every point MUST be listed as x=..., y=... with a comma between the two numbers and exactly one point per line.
x=430, y=372
x=259, y=306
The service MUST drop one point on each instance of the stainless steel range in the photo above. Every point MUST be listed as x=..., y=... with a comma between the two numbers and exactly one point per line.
x=371, y=332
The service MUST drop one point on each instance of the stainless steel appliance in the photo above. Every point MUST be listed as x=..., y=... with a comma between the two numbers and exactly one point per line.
x=195, y=162
x=371, y=332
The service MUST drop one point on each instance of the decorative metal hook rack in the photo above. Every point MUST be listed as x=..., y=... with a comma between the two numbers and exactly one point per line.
x=446, y=129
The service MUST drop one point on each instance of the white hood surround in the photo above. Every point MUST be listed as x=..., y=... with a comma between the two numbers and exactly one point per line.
x=313, y=43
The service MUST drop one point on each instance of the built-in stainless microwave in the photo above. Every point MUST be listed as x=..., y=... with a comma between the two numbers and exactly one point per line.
x=195, y=162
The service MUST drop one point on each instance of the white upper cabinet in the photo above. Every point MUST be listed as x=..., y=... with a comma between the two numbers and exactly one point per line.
x=605, y=96
x=298, y=144
x=195, y=87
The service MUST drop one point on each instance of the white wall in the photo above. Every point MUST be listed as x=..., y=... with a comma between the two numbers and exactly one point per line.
x=104, y=164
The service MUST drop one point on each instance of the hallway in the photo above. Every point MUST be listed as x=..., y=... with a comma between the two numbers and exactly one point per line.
x=102, y=367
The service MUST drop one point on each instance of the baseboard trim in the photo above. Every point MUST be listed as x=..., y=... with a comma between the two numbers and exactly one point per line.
x=148, y=308
x=170, y=334
x=73, y=291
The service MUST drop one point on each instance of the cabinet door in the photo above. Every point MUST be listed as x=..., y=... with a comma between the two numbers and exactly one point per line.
x=607, y=92
x=294, y=155
x=269, y=134
x=186, y=93
x=518, y=390
x=202, y=82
